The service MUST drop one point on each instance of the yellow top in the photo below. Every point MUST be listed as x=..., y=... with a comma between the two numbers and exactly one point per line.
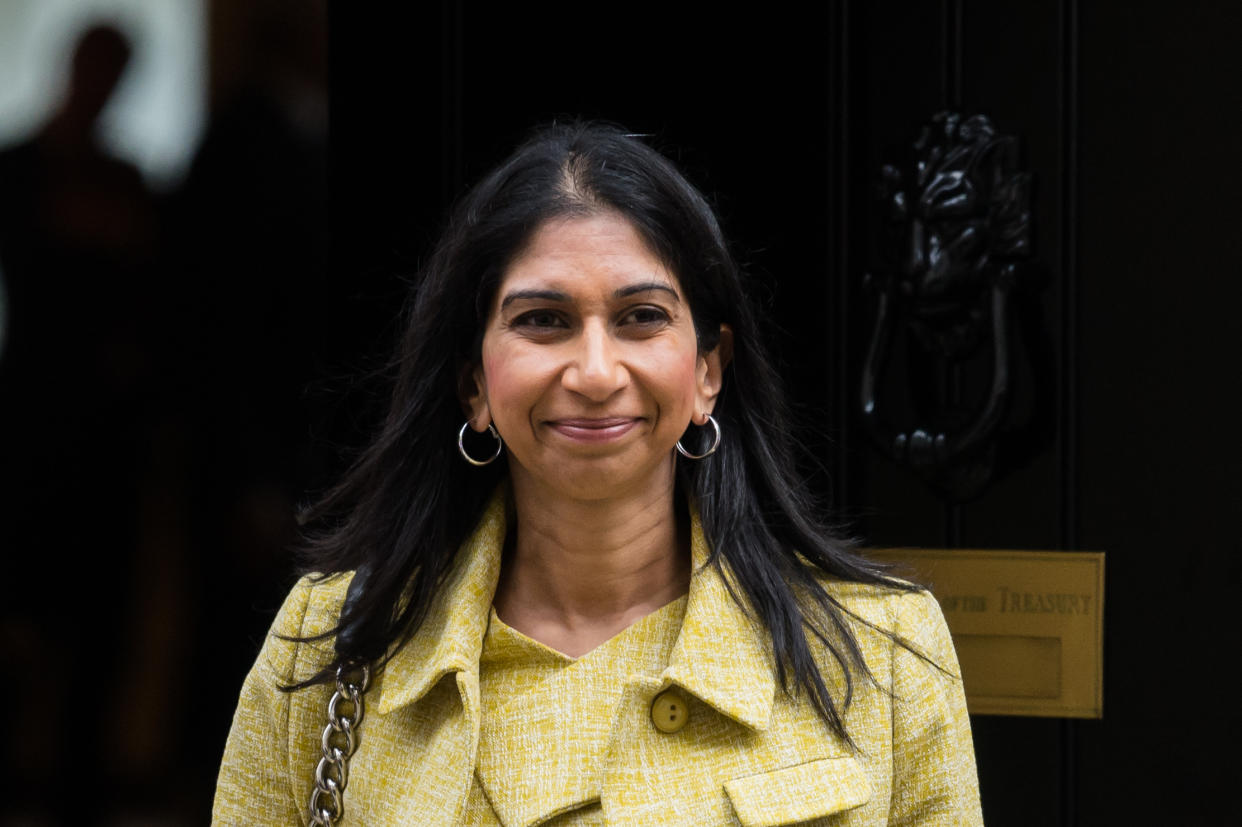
x=546, y=718
x=747, y=752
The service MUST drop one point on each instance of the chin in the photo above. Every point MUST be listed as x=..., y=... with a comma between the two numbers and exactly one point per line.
x=599, y=480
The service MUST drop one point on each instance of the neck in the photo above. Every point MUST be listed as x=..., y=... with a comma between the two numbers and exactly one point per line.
x=580, y=571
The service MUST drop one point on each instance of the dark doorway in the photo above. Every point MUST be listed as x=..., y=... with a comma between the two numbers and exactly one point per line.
x=1120, y=432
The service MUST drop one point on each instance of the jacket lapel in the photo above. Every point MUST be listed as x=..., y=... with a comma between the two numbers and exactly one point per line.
x=428, y=692
x=721, y=656
x=451, y=637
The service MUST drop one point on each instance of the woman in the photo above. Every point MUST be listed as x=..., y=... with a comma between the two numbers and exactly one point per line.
x=610, y=599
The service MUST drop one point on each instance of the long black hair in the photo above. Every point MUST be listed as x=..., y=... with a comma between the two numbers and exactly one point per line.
x=407, y=504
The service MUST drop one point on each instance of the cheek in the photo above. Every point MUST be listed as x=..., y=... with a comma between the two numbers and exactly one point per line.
x=496, y=376
x=513, y=380
x=678, y=378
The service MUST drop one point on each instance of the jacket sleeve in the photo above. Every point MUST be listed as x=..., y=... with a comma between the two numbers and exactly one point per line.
x=934, y=779
x=255, y=783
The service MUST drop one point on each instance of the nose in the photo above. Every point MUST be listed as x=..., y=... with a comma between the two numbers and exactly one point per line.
x=596, y=370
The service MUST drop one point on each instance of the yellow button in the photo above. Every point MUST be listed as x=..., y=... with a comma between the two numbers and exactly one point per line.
x=669, y=711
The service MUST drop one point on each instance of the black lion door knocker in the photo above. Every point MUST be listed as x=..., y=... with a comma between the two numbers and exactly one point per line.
x=957, y=225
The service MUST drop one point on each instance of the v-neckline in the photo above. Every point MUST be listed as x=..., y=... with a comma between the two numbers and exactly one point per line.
x=502, y=641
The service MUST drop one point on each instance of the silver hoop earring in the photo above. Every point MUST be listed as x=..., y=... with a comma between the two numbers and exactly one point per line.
x=715, y=442
x=500, y=445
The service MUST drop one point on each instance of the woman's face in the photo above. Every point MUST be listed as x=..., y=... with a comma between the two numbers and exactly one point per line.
x=590, y=367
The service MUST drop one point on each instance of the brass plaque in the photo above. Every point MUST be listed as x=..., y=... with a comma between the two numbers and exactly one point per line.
x=1028, y=625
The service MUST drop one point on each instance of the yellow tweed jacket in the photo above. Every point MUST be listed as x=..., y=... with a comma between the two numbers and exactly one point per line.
x=750, y=754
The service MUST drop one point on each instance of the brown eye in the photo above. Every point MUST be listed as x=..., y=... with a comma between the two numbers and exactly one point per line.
x=645, y=316
x=539, y=319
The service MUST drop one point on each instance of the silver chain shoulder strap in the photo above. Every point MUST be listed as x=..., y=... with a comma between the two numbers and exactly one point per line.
x=340, y=739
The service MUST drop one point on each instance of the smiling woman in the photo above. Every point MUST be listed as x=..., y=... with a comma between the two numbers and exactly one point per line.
x=589, y=621
x=591, y=370
x=591, y=358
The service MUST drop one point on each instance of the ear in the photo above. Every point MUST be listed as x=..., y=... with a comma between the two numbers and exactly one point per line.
x=709, y=375
x=472, y=392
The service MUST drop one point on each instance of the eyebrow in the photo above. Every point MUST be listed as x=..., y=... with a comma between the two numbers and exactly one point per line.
x=644, y=288
x=559, y=296
x=545, y=295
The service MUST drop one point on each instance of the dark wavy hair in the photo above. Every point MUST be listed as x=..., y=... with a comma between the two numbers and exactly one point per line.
x=400, y=513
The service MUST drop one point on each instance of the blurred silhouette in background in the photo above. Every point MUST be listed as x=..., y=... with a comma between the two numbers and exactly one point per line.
x=156, y=431
x=77, y=245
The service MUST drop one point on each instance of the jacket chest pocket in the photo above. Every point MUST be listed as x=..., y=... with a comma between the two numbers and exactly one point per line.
x=800, y=793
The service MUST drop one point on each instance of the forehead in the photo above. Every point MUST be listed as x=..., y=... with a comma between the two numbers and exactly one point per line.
x=602, y=251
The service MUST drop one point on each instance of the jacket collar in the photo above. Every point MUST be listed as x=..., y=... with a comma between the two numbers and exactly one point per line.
x=451, y=637
x=721, y=655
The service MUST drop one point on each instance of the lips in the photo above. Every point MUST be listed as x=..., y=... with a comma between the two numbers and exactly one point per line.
x=588, y=429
